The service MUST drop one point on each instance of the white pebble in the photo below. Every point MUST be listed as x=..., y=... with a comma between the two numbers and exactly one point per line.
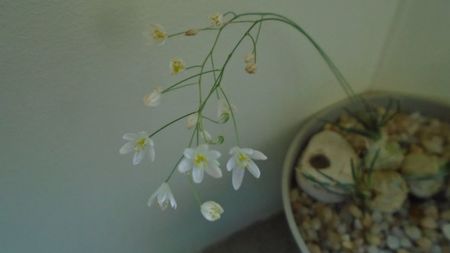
x=405, y=242
x=436, y=249
x=393, y=242
x=373, y=249
x=446, y=230
x=377, y=217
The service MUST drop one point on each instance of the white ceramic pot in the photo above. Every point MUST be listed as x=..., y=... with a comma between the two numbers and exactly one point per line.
x=314, y=124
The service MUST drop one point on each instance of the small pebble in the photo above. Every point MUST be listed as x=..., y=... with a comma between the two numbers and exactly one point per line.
x=428, y=222
x=377, y=217
x=355, y=211
x=357, y=224
x=314, y=248
x=316, y=224
x=373, y=249
x=446, y=231
x=445, y=215
x=436, y=249
x=431, y=211
x=405, y=242
x=413, y=232
x=373, y=239
x=424, y=244
x=393, y=242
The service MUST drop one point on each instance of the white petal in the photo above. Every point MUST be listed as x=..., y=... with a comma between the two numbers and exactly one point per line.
x=214, y=171
x=126, y=148
x=173, y=202
x=184, y=165
x=130, y=136
x=197, y=175
x=233, y=150
x=254, y=170
x=211, y=210
x=257, y=155
x=247, y=151
x=214, y=154
x=231, y=164
x=138, y=156
x=237, y=177
x=151, y=152
x=189, y=153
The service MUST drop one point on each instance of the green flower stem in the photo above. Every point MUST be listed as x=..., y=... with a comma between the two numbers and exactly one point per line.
x=211, y=120
x=194, y=191
x=188, y=78
x=233, y=118
x=181, y=158
x=182, y=86
x=170, y=123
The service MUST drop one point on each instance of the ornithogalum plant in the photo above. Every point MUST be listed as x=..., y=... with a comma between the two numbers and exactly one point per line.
x=199, y=157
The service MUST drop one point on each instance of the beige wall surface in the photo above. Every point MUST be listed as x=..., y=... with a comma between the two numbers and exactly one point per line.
x=416, y=57
x=73, y=74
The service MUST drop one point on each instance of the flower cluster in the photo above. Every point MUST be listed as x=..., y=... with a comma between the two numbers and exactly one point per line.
x=201, y=158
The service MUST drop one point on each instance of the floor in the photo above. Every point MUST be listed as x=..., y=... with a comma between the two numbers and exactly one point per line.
x=267, y=236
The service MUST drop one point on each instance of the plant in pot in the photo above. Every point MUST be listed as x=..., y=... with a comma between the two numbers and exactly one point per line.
x=353, y=158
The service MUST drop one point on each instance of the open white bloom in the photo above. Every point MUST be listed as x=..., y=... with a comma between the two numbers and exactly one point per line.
x=163, y=196
x=241, y=159
x=158, y=34
x=216, y=19
x=192, y=120
x=153, y=99
x=211, y=210
x=139, y=143
x=177, y=65
x=199, y=160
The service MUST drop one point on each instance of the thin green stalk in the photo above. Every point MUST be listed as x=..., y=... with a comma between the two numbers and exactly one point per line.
x=188, y=78
x=181, y=158
x=170, y=123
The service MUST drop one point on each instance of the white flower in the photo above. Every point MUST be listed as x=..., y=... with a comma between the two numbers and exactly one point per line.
x=158, y=34
x=199, y=160
x=241, y=159
x=211, y=210
x=216, y=19
x=163, y=196
x=138, y=142
x=177, y=65
x=192, y=120
x=224, y=110
x=153, y=99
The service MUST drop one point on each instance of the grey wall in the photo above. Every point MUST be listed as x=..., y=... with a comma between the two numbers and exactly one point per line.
x=73, y=74
x=415, y=58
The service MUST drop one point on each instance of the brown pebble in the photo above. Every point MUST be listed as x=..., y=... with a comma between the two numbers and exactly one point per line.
x=367, y=220
x=431, y=211
x=314, y=248
x=445, y=215
x=355, y=211
x=424, y=244
x=428, y=222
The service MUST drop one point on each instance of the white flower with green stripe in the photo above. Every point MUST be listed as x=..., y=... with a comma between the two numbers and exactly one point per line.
x=141, y=144
x=199, y=160
x=242, y=159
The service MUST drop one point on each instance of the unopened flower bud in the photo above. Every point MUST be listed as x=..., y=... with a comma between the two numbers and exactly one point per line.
x=191, y=32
